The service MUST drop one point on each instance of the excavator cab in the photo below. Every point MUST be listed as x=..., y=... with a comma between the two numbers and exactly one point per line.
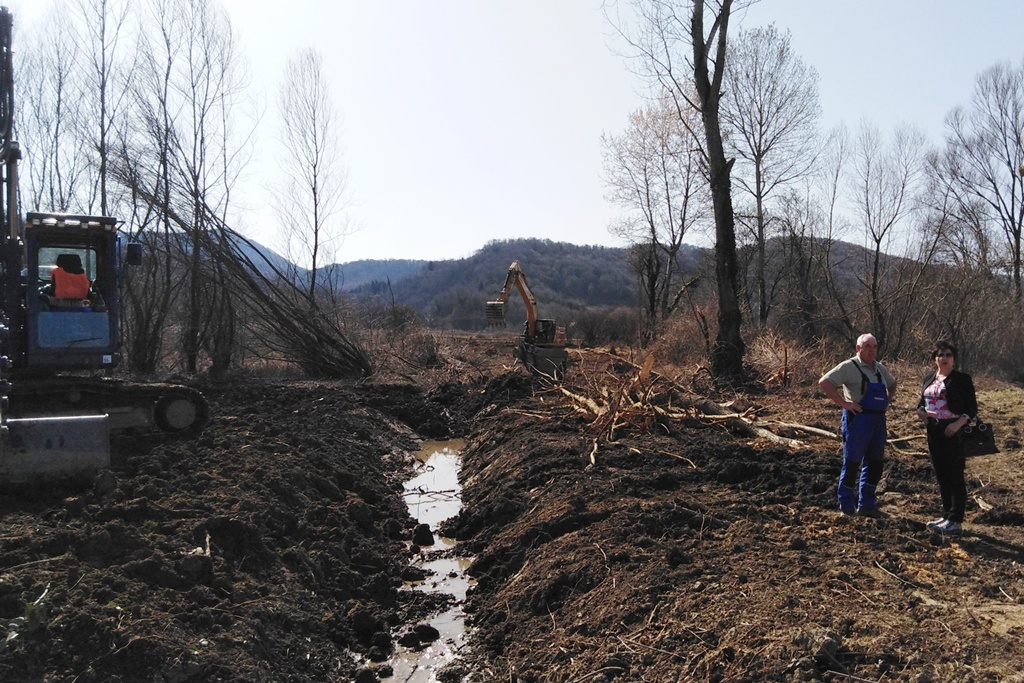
x=546, y=332
x=79, y=332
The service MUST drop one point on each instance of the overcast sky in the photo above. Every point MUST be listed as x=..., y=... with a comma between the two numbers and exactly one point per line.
x=467, y=121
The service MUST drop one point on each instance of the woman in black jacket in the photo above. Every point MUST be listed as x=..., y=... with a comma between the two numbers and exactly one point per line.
x=947, y=403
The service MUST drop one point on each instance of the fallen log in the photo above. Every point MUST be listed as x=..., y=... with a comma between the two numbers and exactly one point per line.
x=737, y=424
x=806, y=428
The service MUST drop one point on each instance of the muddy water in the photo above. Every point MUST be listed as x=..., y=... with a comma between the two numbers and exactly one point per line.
x=433, y=496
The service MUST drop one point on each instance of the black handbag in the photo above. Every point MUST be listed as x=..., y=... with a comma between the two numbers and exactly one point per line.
x=979, y=438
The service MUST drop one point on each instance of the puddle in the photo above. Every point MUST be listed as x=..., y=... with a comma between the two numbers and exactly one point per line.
x=433, y=496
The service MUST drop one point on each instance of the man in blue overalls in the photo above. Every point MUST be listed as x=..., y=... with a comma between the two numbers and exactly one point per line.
x=867, y=389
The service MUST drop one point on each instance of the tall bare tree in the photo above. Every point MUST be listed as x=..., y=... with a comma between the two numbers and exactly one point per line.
x=50, y=101
x=182, y=160
x=710, y=47
x=101, y=27
x=207, y=89
x=831, y=177
x=984, y=161
x=966, y=236
x=653, y=172
x=886, y=177
x=315, y=179
x=681, y=47
x=770, y=113
x=962, y=253
x=143, y=165
x=802, y=270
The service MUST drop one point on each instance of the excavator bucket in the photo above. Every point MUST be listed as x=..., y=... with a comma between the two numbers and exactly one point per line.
x=496, y=314
x=41, y=450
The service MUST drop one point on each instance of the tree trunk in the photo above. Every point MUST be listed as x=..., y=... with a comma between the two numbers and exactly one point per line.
x=762, y=248
x=728, y=349
x=727, y=352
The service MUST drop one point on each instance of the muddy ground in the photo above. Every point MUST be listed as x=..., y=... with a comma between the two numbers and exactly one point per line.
x=273, y=546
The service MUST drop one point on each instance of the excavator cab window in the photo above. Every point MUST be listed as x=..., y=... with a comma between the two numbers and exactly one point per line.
x=72, y=260
x=76, y=322
x=545, y=332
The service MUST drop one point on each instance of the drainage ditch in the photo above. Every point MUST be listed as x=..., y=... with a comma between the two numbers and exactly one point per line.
x=433, y=496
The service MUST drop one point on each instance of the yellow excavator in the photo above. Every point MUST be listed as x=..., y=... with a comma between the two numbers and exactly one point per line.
x=542, y=343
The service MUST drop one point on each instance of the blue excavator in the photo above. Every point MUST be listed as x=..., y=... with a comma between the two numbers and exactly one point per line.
x=60, y=333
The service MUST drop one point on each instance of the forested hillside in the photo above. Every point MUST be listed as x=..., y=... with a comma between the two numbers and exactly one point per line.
x=564, y=278
x=357, y=274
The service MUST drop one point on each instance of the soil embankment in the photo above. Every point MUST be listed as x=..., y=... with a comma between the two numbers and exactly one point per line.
x=691, y=555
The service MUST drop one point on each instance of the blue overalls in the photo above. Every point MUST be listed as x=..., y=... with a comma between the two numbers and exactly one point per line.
x=864, y=437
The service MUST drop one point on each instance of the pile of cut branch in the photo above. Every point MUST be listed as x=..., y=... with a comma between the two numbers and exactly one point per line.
x=646, y=401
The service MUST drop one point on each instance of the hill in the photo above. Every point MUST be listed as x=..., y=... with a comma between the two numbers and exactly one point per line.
x=357, y=274
x=451, y=293
x=348, y=276
x=565, y=279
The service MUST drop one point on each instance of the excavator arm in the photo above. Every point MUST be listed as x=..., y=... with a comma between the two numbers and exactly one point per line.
x=9, y=152
x=496, y=308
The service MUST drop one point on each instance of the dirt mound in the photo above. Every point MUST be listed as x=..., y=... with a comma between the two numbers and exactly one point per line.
x=268, y=548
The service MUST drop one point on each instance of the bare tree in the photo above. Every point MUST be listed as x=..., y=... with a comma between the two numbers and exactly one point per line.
x=966, y=248
x=831, y=178
x=179, y=161
x=51, y=101
x=960, y=253
x=984, y=161
x=315, y=180
x=885, y=179
x=799, y=259
x=182, y=160
x=770, y=113
x=313, y=340
x=101, y=24
x=709, y=66
x=653, y=172
x=966, y=236
x=203, y=162
x=682, y=49
x=143, y=165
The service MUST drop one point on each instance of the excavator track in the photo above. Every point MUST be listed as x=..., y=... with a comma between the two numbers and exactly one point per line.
x=172, y=408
